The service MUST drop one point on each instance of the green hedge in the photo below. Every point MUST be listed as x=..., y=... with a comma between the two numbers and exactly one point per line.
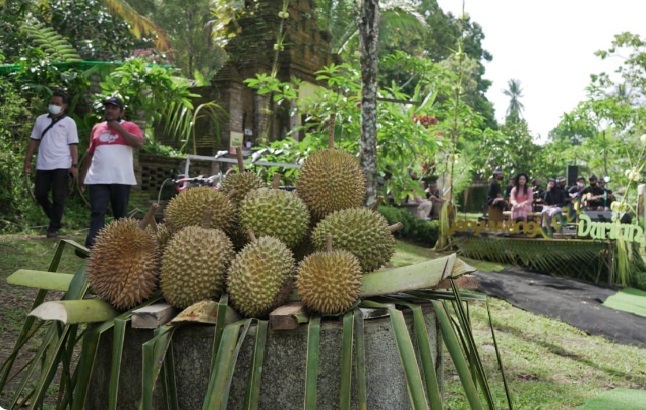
x=414, y=230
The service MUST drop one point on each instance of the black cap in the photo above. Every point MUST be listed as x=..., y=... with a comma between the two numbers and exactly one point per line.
x=593, y=177
x=497, y=171
x=114, y=101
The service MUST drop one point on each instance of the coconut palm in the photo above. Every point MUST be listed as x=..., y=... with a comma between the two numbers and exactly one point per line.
x=514, y=92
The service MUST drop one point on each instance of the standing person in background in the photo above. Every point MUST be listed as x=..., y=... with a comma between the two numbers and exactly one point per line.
x=108, y=169
x=55, y=137
x=521, y=198
x=496, y=203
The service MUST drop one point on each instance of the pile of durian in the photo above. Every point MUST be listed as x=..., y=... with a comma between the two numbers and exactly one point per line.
x=259, y=244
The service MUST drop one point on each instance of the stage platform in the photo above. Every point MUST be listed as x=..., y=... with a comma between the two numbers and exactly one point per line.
x=584, y=259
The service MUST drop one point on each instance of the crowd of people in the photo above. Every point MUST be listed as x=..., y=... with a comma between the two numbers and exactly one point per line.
x=522, y=198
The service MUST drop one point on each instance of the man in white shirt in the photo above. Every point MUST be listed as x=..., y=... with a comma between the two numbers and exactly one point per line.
x=108, y=169
x=55, y=137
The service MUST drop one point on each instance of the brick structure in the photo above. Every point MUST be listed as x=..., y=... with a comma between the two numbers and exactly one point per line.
x=306, y=50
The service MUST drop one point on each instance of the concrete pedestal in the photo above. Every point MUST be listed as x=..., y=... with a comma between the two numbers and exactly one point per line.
x=283, y=372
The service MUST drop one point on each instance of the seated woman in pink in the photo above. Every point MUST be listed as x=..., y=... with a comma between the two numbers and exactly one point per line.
x=521, y=198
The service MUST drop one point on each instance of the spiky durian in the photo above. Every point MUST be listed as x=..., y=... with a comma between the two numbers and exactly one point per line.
x=259, y=275
x=194, y=265
x=163, y=235
x=277, y=213
x=187, y=209
x=124, y=265
x=361, y=231
x=329, y=282
x=241, y=183
x=331, y=180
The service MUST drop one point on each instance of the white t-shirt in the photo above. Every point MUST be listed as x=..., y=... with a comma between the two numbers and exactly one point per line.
x=54, y=148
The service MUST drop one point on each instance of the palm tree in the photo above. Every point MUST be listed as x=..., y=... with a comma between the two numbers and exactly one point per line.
x=514, y=92
x=340, y=19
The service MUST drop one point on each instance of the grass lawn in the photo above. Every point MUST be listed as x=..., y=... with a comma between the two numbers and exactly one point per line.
x=549, y=364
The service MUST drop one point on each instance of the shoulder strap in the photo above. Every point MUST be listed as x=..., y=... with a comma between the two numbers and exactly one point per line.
x=49, y=127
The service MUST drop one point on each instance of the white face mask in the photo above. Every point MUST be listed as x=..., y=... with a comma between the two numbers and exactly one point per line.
x=54, y=109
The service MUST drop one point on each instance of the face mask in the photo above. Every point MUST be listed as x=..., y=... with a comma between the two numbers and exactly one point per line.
x=580, y=184
x=54, y=109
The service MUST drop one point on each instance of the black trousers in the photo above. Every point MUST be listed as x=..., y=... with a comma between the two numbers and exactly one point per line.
x=117, y=195
x=54, y=180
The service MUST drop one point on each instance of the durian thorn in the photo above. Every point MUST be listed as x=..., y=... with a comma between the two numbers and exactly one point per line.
x=240, y=160
x=206, y=218
x=251, y=236
x=149, y=217
x=231, y=194
x=332, y=125
x=379, y=201
x=275, y=183
x=395, y=227
x=328, y=243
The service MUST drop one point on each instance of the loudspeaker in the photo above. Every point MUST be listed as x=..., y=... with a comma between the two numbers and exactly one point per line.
x=571, y=174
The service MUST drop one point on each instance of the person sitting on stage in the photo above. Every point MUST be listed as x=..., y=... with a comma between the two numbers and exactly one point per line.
x=574, y=192
x=521, y=198
x=553, y=201
x=609, y=198
x=495, y=201
x=507, y=193
x=538, y=195
x=593, y=196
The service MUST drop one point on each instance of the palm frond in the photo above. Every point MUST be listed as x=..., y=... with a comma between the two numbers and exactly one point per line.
x=54, y=45
x=139, y=25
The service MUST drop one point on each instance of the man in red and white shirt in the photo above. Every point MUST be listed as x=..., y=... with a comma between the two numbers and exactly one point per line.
x=108, y=169
x=55, y=138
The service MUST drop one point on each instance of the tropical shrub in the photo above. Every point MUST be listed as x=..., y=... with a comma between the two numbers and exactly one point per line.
x=414, y=229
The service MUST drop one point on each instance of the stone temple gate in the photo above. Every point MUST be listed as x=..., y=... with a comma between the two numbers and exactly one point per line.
x=306, y=50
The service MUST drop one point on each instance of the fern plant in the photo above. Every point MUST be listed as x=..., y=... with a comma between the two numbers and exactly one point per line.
x=55, y=46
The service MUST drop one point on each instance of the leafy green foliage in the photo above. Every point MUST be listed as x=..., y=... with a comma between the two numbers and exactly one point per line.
x=402, y=141
x=92, y=30
x=53, y=45
x=15, y=129
x=414, y=230
x=152, y=93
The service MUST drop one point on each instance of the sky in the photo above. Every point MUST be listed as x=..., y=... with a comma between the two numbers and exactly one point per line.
x=548, y=45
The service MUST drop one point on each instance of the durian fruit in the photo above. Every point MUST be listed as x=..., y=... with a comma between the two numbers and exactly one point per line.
x=241, y=182
x=124, y=263
x=163, y=235
x=361, y=231
x=194, y=265
x=331, y=180
x=329, y=282
x=187, y=209
x=277, y=213
x=259, y=277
